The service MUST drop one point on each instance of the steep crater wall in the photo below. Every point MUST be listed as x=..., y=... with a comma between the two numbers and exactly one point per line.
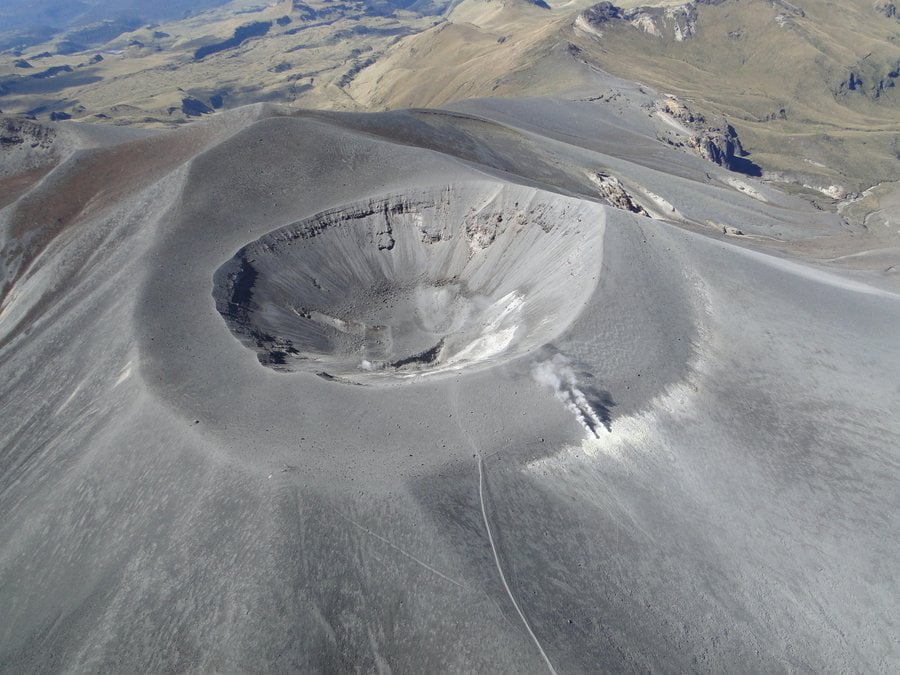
x=406, y=286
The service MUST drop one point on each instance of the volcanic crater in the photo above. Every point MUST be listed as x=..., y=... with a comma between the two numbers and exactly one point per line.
x=403, y=286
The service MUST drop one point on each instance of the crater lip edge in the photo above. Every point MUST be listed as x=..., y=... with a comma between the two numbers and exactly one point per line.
x=407, y=286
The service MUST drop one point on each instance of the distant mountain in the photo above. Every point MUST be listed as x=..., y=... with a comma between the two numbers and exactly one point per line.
x=132, y=68
x=423, y=7
x=812, y=90
x=27, y=22
x=59, y=14
x=24, y=23
x=804, y=94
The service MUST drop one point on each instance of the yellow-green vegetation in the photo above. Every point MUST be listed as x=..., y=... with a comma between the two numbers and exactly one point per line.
x=780, y=73
x=307, y=56
x=808, y=85
x=782, y=78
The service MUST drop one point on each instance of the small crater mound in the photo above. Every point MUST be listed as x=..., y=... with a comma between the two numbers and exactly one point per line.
x=414, y=285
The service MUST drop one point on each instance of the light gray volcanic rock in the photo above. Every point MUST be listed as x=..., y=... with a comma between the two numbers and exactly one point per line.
x=683, y=458
x=412, y=285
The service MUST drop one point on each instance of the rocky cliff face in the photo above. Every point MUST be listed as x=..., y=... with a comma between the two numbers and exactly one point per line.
x=869, y=78
x=611, y=191
x=26, y=144
x=677, y=22
x=719, y=146
x=601, y=13
x=710, y=136
x=15, y=131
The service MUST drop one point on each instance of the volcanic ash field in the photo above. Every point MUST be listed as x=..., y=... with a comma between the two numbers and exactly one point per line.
x=492, y=389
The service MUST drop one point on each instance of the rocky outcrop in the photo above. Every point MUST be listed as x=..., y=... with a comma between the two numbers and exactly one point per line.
x=601, y=13
x=780, y=114
x=18, y=132
x=787, y=16
x=870, y=78
x=28, y=150
x=853, y=82
x=718, y=146
x=791, y=9
x=889, y=9
x=676, y=22
x=193, y=107
x=611, y=191
x=713, y=138
x=355, y=69
x=889, y=81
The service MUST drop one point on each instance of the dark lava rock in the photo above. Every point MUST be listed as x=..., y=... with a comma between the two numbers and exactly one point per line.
x=50, y=72
x=193, y=107
x=23, y=131
x=601, y=13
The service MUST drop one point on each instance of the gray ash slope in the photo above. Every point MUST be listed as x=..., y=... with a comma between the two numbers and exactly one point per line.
x=691, y=464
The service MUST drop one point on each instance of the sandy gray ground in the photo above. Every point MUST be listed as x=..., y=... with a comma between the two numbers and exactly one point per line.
x=697, y=470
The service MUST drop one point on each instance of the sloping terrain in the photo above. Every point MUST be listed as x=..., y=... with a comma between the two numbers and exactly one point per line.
x=160, y=74
x=537, y=368
x=24, y=24
x=810, y=88
x=684, y=457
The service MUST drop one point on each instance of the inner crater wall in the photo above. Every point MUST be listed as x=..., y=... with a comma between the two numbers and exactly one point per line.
x=413, y=285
